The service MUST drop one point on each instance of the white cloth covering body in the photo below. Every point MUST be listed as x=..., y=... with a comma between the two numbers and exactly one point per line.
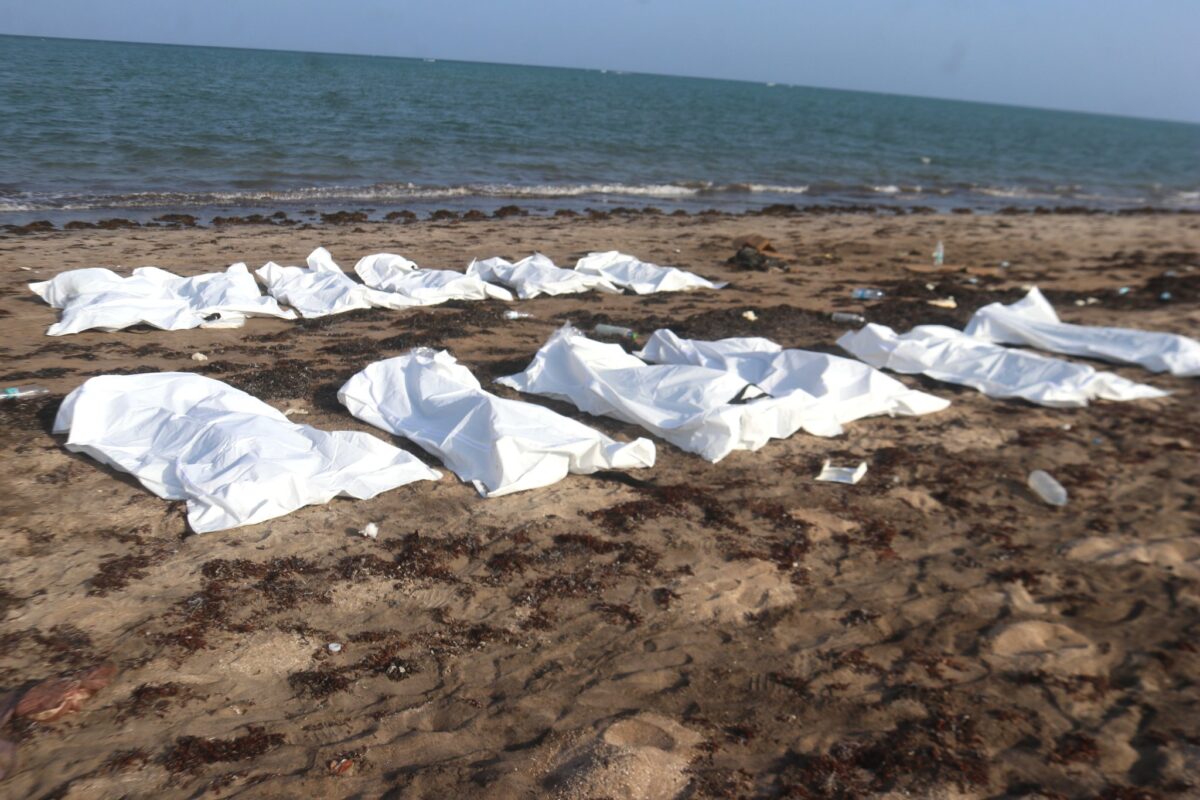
x=536, y=275
x=100, y=299
x=233, y=458
x=1032, y=321
x=501, y=446
x=706, y=411
x=641, y=277
x=424, y=287
x=840, y=389
x=946, y=354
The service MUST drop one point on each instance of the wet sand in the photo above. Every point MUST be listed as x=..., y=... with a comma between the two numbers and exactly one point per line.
x=695, y=630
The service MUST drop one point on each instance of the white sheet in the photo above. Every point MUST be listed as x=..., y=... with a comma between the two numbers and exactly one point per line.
x=424, y=287
x=946, y=354
x=697, y=409
x=642, y=277
x=501, y=446
x=1032, y=321
x=537, y=275
x=322, y=288
x=100, y=299
x=233, y=458
x=839, y=389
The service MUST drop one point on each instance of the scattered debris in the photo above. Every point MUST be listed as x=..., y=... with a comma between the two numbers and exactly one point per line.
x=750, y=316
x=750, y=258
x=867, y=294
x=947, y=302
x=604, y=329
x=850, y=475
x=370, y=531
x=848, y=317
x=297, y=411
x=1047, y=489
x=199, y=357
x=517, y=315
x=334, y=647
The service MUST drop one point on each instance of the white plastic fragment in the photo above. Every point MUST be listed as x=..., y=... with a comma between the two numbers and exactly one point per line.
x=334, y=647
x=1047, y=489
x=641, y=277
x=750, y=316
x=233, y=458
x=369, y=531
x=199, y=357
x=849, y=475
x=947, y=302
x=511, y=314
x=1032, y=321
x=499, y=445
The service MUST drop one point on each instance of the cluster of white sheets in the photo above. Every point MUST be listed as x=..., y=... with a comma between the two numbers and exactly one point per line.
x=99, y=299
x=237, y=461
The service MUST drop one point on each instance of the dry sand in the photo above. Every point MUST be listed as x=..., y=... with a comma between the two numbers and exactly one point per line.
x=728, y=630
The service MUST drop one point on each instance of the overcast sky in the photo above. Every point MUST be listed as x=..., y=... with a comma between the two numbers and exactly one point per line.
x=1130, y=57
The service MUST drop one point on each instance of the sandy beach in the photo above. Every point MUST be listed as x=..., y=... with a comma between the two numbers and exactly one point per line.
x=692, y=630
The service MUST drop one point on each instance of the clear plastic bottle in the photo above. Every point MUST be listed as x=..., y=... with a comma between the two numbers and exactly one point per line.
x=614, y=330
x=867, y=294
x=939, y=254
x=1048, y=489
x=510, y=314
x=18, y=392
x=848, y=317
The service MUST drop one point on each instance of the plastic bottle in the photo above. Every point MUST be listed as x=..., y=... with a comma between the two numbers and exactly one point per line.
x=1048, y=489
x=517, y=314
x=867, y=294
x=939, y=254
x=614, y=330
x=847, y=317
x=18, y=392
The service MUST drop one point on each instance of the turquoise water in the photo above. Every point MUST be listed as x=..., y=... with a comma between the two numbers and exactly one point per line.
x=88, y=128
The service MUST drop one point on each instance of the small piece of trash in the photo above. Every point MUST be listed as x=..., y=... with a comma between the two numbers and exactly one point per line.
x=27, y=269
x=295, y=410
x=340, y=766
x=1047, y=489
x=1091, y=301
x=849, y=475
x=947, y=302
x=370, y=531
x=199, y=357
x=1005, y=264
x=1165, y=296
x=1079, y=302
x=1123, y=290
x=749, y=315
x=931, y=286
x=334, y=647
x=517, y=315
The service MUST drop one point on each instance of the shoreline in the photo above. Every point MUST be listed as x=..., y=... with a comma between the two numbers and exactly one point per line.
x=169, y=217
x=730, y=629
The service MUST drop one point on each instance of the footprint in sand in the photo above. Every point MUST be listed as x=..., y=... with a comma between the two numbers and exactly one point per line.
x=728, y=592
x=1180, y=556
x=644, y=756
x=1030, y=646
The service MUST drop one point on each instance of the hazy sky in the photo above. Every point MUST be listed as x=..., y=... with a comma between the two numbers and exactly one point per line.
x=1133, y=57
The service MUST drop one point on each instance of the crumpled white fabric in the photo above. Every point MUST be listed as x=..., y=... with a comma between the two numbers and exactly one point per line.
x=1032, y=321
x=424, y=287
x=710, y=412
x=536, y=275
x=501, y=446
x=946, y=354
x=642, y=277
x=233, y=458
x=323, y=288
x=100, y=299
x=840, y=389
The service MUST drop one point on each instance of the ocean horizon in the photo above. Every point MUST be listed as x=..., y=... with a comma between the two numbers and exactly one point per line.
x=96, y=128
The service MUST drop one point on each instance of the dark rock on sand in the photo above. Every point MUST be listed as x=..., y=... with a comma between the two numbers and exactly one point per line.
x=186, y=220
x=39, y=226
x=443, y=213
x=750, y=259
x=509, y=211
x=400, y=216
x=475, y=214
x=116, y=223
x=344, y=217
